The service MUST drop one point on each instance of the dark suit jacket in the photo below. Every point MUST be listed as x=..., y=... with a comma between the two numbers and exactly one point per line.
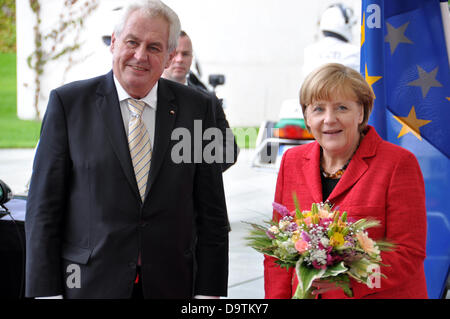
x=382, y=181
x=229, y=145
x=84, y=207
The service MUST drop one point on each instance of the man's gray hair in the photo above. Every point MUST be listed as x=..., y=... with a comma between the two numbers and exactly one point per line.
x=154, y=8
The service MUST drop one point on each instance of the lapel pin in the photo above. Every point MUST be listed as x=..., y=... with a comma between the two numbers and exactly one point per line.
x=172, y=112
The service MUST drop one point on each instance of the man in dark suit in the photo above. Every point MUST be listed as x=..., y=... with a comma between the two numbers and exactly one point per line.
x=100, y=223
x=179, y=71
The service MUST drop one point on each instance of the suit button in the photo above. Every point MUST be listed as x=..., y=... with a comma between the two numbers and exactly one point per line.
x=143, y=224
x=132, y=265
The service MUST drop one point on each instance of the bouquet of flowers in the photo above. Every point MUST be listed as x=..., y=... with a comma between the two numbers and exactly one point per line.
x=320, y=244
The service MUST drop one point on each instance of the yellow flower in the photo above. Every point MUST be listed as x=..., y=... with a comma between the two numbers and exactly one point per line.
x=295, y=236
x=337, y=240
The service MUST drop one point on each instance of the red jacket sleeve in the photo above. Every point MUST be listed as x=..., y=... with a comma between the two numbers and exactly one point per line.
x=406, y=227
x=277, y=280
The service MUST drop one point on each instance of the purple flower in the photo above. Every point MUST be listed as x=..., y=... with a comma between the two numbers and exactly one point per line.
x=305, y=236
x=270, y=234
x=348, y=244
x=329, y=260
x=282, y=210
x=292, y=227
x=333, y=259
x=351, y=220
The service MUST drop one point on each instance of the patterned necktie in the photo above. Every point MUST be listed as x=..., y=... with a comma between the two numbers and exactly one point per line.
x=139, y=144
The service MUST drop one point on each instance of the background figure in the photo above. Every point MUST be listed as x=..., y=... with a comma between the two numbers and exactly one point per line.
x=350, y=166
x=110, y=213
x=180, y=66
x=179, y=71
x=336, y=27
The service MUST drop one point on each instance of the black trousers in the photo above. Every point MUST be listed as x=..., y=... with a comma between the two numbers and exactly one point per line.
x=137, y=288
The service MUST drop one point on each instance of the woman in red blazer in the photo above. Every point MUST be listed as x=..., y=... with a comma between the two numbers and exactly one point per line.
x=353, y=168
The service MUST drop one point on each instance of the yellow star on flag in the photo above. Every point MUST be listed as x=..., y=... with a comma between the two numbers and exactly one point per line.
x=363, y=30
x=371, y=79
x=411, y=124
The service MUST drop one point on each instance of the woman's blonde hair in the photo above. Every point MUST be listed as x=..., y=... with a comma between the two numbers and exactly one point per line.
x=336, y=79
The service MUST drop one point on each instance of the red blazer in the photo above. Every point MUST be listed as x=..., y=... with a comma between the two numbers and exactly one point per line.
x=383, y=181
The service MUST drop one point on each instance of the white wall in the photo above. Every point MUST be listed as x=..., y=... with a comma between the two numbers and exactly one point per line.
x=258, y=45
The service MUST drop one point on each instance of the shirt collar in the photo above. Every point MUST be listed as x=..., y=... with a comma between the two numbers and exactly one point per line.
x=151, y=99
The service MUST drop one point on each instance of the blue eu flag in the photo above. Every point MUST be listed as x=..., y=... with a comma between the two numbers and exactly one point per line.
x=404, y=58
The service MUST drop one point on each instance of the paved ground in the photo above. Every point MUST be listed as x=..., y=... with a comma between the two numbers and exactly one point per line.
x=249, y=194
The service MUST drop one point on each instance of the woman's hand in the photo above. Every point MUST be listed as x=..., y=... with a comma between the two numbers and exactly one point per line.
x=322, y=286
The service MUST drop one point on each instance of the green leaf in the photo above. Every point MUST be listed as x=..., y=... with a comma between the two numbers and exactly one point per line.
x=363, y=224
x=336, y=274
x=298, y=214
x=385, y=245
x=305, y=277
x=335, y=270
x=314, y=209
x=336, y=217
x=296, y=203
x=286, y=264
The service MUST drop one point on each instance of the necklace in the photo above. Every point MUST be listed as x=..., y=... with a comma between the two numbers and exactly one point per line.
x=338, y=174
